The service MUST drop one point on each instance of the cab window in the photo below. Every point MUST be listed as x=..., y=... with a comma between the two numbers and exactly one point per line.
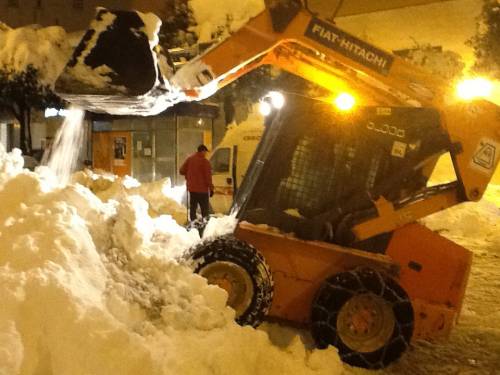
x=220, y=160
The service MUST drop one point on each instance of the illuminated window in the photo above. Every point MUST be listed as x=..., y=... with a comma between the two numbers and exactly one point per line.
x=78, y=4
x=13, y=3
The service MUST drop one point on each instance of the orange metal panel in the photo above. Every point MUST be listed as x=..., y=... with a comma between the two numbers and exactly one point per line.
x=432, y=321
x=299, y=267
x=390, y=219
x=257, y=38
x=476, y=127
x=434, y=271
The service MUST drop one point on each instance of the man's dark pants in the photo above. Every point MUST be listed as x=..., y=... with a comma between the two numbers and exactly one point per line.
x=196, y=199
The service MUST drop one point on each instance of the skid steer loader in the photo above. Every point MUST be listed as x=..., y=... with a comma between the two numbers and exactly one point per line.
x=328, y=236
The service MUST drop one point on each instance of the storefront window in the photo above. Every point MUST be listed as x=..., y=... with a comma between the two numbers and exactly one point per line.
x=158, y=144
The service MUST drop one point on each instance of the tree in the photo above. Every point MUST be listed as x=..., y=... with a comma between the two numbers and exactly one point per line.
x=176, y=21
x=486, y=42
x=20, y=93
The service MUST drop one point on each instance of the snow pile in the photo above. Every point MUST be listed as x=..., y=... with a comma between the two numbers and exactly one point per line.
x=46, y=49
x=93, y=288
x=162, y=198
x=224, y=17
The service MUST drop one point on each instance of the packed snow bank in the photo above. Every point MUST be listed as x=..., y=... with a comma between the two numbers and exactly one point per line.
x=94, y=288
x=46, y=49
x=223, y=17
x=161, y=196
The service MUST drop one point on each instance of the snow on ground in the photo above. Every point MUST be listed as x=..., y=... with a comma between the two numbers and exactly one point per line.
x=94, y=288
x=47, y=49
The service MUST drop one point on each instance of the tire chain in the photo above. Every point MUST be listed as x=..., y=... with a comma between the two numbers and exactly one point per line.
x=229, y=248
x=402, y=330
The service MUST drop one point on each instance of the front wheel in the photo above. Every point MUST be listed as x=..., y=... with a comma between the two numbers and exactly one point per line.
x=367, y=316
x=241, y=271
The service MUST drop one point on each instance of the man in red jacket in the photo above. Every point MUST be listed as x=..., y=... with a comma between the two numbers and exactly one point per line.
x=198, y=173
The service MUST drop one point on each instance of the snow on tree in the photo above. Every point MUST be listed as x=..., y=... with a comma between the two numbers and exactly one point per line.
x=31, y=59
x=444, y=63
x=177, y=19
x=221, y=19
x=486, y=42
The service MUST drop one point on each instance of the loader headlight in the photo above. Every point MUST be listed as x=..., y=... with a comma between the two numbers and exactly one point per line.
x=344, y=101
x=472, y=88
x=273, y=100
x=265, y=108
x=277, y=99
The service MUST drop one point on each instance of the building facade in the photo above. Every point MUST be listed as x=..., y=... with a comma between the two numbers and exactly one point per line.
x=152, y=148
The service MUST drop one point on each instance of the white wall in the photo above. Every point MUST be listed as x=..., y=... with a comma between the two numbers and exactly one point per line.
x=3, y=135
x=38, y=132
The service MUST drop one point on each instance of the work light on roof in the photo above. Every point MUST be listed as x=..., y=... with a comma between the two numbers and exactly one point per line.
x=272, y=100
x=265, y=108
x=473, y=88
x=277, y=99
x=344, y=101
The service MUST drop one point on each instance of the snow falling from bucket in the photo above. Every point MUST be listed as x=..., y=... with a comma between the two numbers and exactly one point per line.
x=63, y=155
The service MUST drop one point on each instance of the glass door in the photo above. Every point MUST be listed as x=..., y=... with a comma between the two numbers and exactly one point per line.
x=143, y=156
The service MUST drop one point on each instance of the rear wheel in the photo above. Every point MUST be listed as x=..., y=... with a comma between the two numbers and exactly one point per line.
x=367, y=316
x=241, y=271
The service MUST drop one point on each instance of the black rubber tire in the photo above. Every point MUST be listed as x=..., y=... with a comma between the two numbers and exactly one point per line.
x=228, y=248
x=337, y=290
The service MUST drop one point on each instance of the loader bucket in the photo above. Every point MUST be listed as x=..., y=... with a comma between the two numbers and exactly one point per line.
x=114, y=68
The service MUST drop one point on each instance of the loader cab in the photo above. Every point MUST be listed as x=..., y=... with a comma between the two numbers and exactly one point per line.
x=317, y=171
x=230, y=161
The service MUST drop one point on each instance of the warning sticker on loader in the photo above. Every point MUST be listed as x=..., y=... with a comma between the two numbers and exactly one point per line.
x=398, y=149
x=486, y=156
